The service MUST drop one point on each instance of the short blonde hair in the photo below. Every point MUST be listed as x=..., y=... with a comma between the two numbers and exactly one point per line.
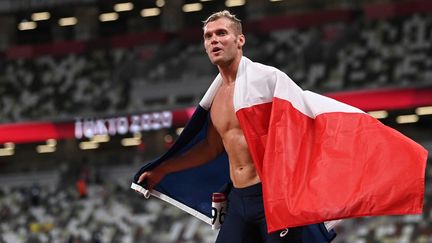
x=225, y=14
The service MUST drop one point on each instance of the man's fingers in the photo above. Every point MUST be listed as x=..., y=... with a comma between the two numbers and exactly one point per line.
x=142, y=177
x=151, y=179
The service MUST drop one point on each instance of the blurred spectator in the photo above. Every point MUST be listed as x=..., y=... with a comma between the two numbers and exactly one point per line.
x=81, y=186
x=34, y=195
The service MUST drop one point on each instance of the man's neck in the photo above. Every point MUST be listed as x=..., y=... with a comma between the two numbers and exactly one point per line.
x=229, y=72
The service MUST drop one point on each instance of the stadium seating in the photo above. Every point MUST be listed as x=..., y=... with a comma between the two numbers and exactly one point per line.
x=361, y=54
x=111, y=212
x=53, y=212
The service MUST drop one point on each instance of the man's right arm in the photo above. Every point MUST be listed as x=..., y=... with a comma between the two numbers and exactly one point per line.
x=201, y=153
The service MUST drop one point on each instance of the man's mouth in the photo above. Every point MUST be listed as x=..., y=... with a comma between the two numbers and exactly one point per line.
x=216, y=49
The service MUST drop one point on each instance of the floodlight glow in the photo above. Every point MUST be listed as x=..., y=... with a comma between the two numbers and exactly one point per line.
x=27, y=25
x=7, y=152
x=100, y=138
x=41, y=16
x=68, y=21
x=160, y=3
x=121, y=7
x=403, y=119
x=378, y=114
x=234, y=3
x=192, y=7
x=108, y=17
x=42, y=149
x=51, y=142
x=88, y=145
x=150, y=12
x=425, y=110
x=130, y=142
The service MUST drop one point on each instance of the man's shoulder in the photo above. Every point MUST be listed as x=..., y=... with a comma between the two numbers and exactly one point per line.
x=260, y=66
x=258, y=69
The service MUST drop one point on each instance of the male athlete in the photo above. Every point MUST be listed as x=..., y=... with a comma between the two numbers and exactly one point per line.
x=245, y=220
x=302, y=144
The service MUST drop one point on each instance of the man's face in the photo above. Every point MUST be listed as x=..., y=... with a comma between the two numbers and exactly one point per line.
x=221, y=42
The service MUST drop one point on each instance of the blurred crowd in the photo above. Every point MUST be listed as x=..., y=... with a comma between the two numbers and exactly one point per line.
x=48, y=87
x=94, y=212
x=108, y=211
x=363, y=53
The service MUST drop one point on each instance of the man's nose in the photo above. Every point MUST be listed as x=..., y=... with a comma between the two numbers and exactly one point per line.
x=214, y=39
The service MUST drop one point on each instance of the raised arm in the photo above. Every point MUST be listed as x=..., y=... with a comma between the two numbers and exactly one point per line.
x=201, y=153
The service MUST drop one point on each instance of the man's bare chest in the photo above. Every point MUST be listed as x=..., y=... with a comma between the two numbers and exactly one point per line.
x=222, y=110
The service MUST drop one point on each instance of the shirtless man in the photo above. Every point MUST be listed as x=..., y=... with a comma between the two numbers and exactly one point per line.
x=223, y=42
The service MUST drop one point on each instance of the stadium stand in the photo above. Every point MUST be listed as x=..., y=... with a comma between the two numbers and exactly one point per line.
x=53, y=211
x=339, y=50
x=360, y=54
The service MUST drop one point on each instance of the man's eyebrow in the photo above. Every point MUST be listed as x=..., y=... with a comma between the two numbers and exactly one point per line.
x=220, y=29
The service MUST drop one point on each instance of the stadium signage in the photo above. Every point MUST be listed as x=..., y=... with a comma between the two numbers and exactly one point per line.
x=88, y=128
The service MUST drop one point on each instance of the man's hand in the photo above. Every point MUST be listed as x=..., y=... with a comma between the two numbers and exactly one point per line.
x=152, y=178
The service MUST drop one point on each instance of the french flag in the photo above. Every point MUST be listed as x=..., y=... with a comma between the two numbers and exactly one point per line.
x=319, y=160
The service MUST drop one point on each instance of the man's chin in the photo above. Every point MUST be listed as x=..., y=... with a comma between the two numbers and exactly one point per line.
x=217, y=61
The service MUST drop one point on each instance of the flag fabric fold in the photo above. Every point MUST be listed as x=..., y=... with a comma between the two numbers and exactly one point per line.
x=318, y=159
x=190, y=190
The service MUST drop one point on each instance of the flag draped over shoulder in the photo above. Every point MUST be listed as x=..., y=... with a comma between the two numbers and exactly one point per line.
x=318, y=159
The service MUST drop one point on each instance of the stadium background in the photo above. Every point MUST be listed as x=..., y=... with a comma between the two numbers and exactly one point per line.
x=91, y=90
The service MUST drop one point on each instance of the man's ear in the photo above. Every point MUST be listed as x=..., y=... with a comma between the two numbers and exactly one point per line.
x=241, y=41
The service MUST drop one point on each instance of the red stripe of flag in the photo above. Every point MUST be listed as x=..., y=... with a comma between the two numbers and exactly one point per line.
x=338, y=165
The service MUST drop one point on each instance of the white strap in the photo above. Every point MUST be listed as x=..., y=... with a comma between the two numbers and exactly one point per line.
x=174, y=202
